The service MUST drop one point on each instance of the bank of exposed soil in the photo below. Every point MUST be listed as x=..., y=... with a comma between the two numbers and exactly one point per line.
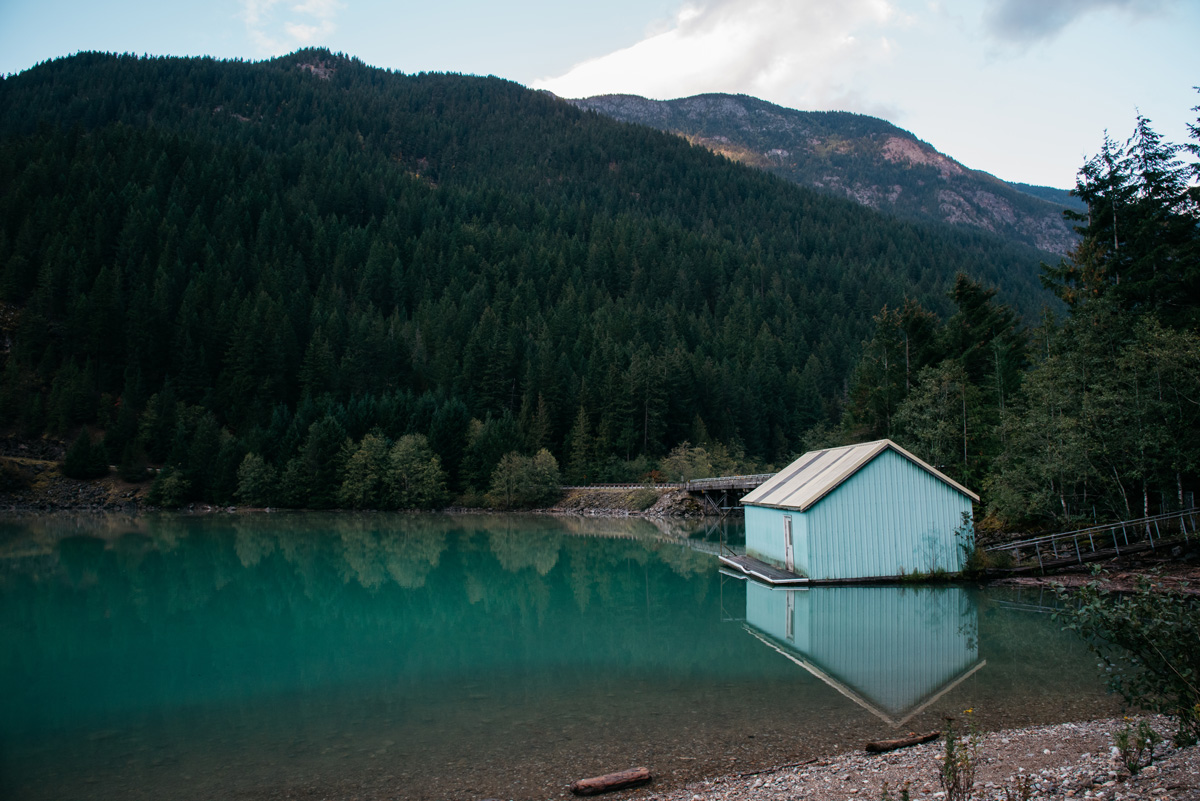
x=625, y=501
x=36, y=484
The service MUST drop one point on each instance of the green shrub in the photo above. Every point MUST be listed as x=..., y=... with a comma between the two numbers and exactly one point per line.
x=12, y=477
x=957, y=773
x=83, y=459
x=257, y=481
x=525, y=482
x=415, y=476
x=169, y=490
x=1136, y=744
x=132, y=467
x=1000, y=560
x=642, y=499
x=1150, y=639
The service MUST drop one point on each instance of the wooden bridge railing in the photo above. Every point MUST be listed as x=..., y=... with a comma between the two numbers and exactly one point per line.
x=1101, y=541
x=728, y=482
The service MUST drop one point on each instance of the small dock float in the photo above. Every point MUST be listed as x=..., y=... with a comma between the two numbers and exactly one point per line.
x=756, y=568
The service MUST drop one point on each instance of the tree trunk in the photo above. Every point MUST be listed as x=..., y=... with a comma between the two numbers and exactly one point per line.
x=882, y=746
x=611, y=781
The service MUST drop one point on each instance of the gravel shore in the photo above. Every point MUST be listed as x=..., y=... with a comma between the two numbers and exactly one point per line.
x=1068, y=760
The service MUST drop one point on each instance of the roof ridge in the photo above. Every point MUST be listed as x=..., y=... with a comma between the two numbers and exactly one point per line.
x=817, y=473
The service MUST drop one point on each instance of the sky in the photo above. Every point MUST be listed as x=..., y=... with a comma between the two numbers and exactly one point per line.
x=1023, y=89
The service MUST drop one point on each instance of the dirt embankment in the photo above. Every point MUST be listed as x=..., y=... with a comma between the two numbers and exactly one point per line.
x=1174, y=568
x=625, y=501
x=37, y=485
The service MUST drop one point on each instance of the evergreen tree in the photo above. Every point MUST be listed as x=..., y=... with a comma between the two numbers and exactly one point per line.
x=85, y=459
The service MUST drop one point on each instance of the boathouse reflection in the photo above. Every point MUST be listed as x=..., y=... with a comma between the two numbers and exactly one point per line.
x=892, y=650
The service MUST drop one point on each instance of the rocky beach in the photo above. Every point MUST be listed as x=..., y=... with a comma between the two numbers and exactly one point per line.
x=1040, y=763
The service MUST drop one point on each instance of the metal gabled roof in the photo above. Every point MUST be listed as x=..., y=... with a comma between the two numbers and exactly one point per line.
x=817, y=473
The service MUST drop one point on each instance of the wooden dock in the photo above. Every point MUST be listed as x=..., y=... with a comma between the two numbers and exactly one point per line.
x=757, y=569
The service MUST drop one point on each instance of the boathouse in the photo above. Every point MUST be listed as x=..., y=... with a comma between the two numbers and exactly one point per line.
x=868, y=511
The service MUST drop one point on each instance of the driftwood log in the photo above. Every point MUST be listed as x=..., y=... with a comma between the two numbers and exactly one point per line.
x=611, y=781
x=883, y=746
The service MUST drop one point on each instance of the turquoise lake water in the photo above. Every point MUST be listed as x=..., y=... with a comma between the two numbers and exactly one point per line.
x=473, y=656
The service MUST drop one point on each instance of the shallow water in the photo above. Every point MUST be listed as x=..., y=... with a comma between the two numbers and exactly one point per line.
x=394, y=656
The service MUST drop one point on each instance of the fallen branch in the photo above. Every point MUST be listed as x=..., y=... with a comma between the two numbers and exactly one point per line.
x=777, y=768
x=611, y=781
x=883, y=746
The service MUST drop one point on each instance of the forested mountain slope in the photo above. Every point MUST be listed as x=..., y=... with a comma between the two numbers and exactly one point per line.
x=206, y=258
x=864, y=158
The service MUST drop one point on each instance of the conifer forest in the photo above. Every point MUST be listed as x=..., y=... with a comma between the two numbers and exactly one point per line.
x=309, y=282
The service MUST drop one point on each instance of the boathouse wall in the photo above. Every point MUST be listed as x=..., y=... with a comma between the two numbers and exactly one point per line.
x=889, y=519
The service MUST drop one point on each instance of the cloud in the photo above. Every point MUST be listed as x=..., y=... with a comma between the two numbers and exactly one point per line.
x=276, y=30
x=1023, y=21
x=803, y=53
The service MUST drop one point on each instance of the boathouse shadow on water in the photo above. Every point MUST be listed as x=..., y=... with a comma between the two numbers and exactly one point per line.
x=894, y=651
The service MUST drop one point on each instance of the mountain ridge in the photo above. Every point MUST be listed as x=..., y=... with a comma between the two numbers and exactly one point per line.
x=190, y=246
x=864, y=158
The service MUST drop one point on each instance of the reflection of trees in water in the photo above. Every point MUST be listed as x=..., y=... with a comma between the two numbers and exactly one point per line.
x=412, y=557
x=517, y=550
x=177, y=564
x=362, y=558
x=252, y=547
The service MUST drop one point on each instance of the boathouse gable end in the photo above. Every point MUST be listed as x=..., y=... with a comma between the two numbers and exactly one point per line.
x=769, y=545
x=869, y=511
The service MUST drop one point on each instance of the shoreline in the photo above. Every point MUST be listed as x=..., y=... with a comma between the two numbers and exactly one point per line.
x=1064, y=760
x=49, y=492
x=46, y=490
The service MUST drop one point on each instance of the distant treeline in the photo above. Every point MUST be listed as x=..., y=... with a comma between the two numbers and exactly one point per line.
x=1095, y=417
x=202, y=260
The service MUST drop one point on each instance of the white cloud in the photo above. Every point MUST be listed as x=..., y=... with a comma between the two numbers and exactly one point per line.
x=253, y=11
x=300, y=24
x=803, y=53
x=307, y=34
x=321, y=9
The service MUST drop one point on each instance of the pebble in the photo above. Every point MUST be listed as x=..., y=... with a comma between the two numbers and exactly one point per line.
x=1081, y=765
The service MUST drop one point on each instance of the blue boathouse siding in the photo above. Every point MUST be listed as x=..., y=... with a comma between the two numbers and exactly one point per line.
x=890, y=518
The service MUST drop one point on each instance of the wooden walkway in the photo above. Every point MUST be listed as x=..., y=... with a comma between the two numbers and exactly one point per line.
x=724, y=493
x=1098, y=542
x=762, y=571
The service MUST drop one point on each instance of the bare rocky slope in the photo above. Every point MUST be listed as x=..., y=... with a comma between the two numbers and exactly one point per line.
x=863, y=158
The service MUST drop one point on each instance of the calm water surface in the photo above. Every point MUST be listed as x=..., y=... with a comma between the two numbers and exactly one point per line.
x=386, y=656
